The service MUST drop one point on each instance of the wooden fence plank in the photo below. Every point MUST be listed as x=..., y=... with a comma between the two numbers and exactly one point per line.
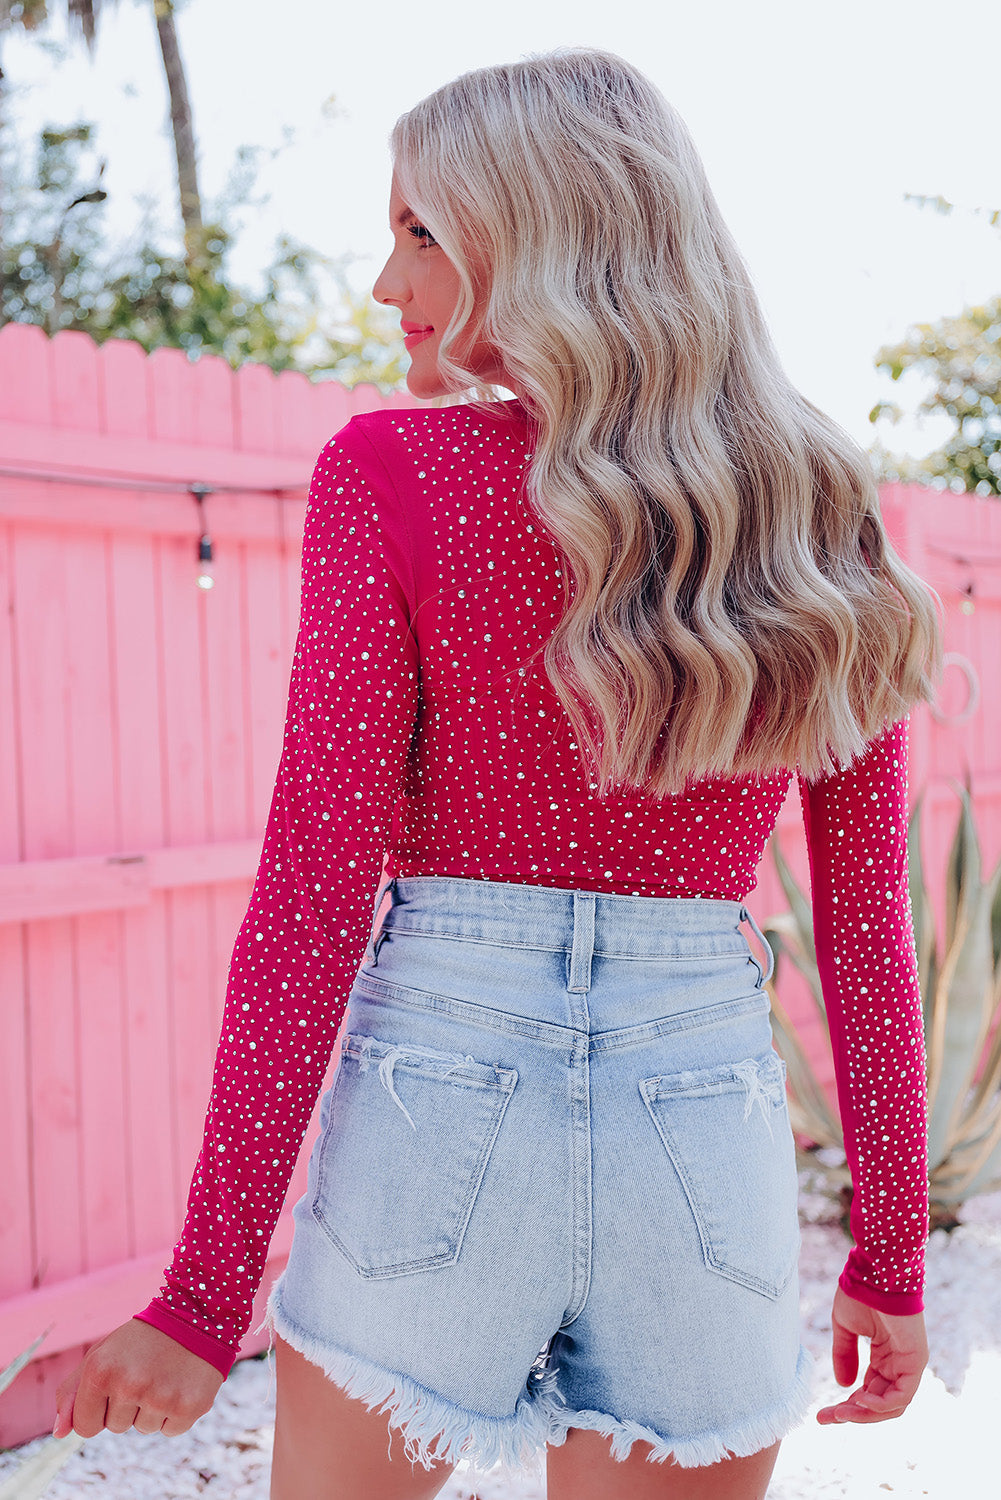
x=295, y=422
x=40, y=636
x=309, y=415
x=91, y=705
x=103, y=1089
x=16, y=1249
x=187, y=780
x=268, y=661
x=96, y=821
x=139, y=768
x=75, y=380
x=181, y=670
x=362, y=398
x=25, y=375
x=255, y=399
x=155, y=1187
x=223, y=611
x=59, y=1200
x=171, y=395
x=214, y=420
x=191, y=967
x=17, y=1254
x=11, y=769
x=41, y=631
x=123, y=382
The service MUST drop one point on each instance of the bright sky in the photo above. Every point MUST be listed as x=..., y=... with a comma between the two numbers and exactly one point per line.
x=813, y=122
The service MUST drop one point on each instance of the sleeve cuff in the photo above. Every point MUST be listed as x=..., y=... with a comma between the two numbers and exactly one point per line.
x=220, y=1355
x=903, y=1304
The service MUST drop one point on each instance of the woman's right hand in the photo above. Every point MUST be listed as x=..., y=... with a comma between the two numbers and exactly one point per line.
x=136, y=1377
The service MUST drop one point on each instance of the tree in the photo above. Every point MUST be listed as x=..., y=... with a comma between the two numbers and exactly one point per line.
x=962, y=357
x=83, y=17
x=56, y=270
x=182, y=129
x=44, y=275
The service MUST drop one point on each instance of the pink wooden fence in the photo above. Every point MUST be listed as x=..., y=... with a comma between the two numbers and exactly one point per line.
x=138, y=746
x=139, y=742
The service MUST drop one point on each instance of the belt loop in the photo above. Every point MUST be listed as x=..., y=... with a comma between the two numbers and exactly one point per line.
x=745, y=916
x=582, y=950
x=372, y=948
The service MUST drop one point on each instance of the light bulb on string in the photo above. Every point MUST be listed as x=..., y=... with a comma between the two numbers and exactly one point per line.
x=205, y=579
x=206, y=576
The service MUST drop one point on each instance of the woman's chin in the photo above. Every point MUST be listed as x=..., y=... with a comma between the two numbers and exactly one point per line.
x=425, y=384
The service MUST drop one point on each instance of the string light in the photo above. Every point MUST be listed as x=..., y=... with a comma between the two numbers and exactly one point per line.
x=206, y=577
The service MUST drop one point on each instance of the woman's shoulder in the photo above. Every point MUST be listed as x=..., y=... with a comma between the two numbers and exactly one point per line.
x=415, y=434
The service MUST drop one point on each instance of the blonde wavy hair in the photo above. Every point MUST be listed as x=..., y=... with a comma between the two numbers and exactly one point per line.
x=733, y=602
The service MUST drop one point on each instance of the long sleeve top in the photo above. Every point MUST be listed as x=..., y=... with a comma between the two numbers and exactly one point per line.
x=421, y=728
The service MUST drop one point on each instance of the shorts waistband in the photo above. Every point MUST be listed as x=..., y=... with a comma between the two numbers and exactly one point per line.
x=581, y=922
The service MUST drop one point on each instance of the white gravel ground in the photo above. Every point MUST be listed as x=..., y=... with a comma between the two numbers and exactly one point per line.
x=944, y=1447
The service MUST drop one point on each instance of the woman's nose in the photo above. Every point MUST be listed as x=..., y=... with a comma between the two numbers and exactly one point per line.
x=389, y=285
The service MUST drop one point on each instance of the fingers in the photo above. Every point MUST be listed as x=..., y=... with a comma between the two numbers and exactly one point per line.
x=97, y=1406
x=876, y=1400
x=149, y=1420
x=120, y=1415
x=864, y=1406
x=64, y=1417
x=844, y=1354
x=65, y=1392
x=890, y=1383
x=90, y=1404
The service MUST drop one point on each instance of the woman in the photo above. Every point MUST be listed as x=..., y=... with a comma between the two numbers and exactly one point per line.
x=561, y=655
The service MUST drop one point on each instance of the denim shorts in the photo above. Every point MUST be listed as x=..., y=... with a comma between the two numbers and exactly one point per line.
x=555, y=1182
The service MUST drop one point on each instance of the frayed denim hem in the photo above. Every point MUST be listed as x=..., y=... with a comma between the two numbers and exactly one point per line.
x=708, y=1448
x=517, y=1443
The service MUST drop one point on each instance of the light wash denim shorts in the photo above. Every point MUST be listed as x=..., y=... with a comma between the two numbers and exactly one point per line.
x=555, y=1184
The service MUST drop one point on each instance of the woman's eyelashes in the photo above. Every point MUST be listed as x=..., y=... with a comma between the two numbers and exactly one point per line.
x=424, y=235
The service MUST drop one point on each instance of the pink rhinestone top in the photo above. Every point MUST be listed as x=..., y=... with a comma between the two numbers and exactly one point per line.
x=427, y=590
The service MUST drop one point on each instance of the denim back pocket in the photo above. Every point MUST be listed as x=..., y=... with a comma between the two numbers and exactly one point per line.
x=406, y=1139
x=727, y=1133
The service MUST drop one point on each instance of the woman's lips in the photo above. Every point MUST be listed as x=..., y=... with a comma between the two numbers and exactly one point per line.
x=415, y=335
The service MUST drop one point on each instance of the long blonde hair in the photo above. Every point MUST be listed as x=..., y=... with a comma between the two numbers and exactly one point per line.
x=733, y=603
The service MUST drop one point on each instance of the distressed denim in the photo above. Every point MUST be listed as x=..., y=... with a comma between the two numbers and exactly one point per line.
x=555, y=1184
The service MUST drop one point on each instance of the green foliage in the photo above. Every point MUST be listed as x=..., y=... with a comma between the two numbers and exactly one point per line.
x=56, y=271
x=961, y=357
x=961, y=1000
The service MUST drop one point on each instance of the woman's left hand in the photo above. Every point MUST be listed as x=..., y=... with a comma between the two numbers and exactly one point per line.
x=897, y=1356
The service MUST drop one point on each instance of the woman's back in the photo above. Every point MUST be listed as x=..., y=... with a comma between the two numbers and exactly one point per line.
x=495, y=786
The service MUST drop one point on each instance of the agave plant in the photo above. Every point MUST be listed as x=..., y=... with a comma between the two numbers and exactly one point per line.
x=36, y=1473
x=961, y=1003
